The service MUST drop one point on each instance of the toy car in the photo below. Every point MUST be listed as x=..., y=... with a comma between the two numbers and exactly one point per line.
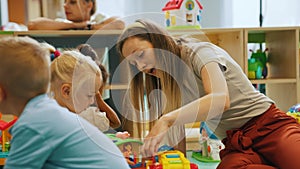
x=173, y=159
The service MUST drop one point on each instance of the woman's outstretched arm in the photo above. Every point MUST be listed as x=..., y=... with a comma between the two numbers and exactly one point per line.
x=50, y=24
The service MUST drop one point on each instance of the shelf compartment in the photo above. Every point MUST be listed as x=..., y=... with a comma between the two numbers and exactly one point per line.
x=282, y=50
x=230, y=39
x=284, y=94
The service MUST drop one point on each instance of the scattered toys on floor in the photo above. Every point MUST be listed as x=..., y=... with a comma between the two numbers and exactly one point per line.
x=210, y=146
x=129, y=147
x=5, y=137
x=294, y=111
x=167, y=157
x=171, y=159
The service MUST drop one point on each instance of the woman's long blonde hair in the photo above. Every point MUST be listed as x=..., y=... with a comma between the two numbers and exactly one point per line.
x=166, y=51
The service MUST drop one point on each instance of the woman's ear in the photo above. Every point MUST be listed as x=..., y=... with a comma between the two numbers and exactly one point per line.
x=66, y=90
x=90, y=5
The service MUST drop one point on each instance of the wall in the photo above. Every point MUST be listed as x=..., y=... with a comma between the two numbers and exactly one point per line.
x=283, y=13
x=275, y=13
x=130, y=10
x=109, y=8
x=4, y=12
x=53, y=9
x=216, y=13
x=34, y=9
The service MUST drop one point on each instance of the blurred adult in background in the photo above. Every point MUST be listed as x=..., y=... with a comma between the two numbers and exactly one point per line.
x=80, y=14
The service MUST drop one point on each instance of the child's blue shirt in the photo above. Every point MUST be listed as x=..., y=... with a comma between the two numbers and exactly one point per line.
x=49, y=136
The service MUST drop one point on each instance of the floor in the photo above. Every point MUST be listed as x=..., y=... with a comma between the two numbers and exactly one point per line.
x=201, y=165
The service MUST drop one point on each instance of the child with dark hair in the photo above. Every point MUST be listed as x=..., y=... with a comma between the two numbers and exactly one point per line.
x=114, y=121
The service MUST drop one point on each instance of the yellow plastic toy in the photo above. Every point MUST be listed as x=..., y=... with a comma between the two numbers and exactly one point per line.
x=172, y=159
x=294, y=111
x=5, y=137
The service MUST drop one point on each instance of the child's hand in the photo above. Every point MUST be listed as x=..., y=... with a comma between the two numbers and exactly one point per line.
x=154, y=138
x=122, y=135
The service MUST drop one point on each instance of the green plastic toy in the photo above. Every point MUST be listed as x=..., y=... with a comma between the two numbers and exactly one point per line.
x=257, y=65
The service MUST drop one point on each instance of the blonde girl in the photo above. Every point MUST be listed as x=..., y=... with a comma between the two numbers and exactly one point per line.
x=75, y=80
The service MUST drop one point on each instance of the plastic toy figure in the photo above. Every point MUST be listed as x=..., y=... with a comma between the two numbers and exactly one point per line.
x=210, y=146
x=203, y=141
x=257, y=65
x=5, y=137
x=129, y=147
x=294, y=111
x=127, y=152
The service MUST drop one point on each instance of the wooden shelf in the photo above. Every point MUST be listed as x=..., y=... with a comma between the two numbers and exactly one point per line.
x=117, y=87
x=72, y=38
x=270, y=81
x=58, y=33
x=283, y=80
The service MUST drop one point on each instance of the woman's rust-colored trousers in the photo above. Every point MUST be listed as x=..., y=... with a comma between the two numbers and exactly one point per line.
x=268, y=141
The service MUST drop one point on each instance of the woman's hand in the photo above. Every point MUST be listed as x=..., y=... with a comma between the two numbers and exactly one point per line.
x=50, y=24
x=154, y=138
